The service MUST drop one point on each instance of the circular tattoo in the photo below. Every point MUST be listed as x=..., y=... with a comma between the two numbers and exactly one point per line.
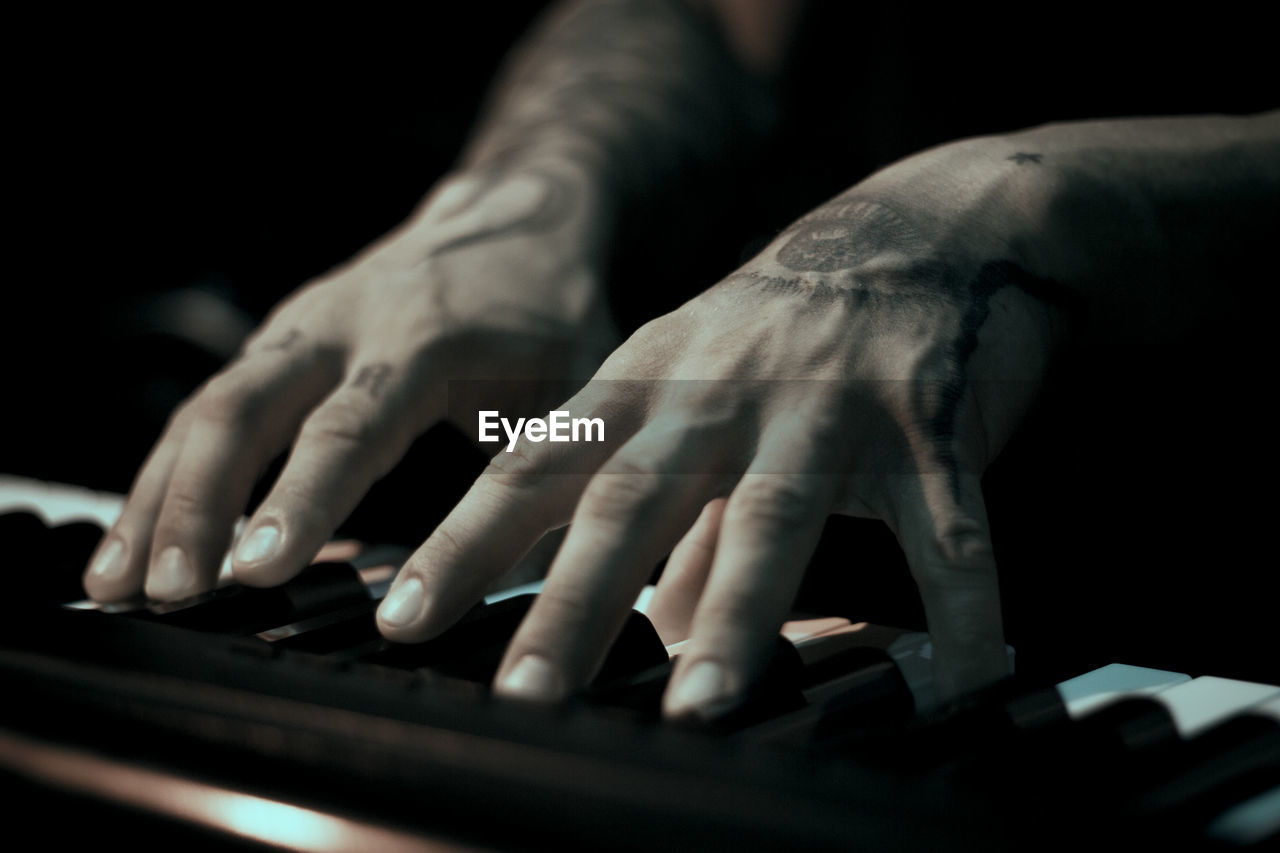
x=839, y=236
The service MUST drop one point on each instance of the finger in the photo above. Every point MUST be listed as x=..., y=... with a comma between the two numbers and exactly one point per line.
x=941, y=522
x=630, y=515
x=685, y=575
x=349, y=442
x=771, y=526
x=235, y=425
x=119, y=563
x=519, y=497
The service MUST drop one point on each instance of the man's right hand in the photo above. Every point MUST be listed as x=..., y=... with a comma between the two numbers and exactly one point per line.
x=496, y=277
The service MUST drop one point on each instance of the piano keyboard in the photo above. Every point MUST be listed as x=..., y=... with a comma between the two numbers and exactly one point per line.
x=279, y=718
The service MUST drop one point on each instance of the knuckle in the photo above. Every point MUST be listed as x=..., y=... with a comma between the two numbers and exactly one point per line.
x=964, y=547
x=226, y=400
x=735, y=614
x=184, y=512
x=181, y=501
x=649, y=350
x=359, y=433
x=568, y=610
x=711, y=408
x=521, y=468
x=622, y=487
x=343, y=423
x=772, y=500
x=652, y=332
x=961, y=559
x=826, y=422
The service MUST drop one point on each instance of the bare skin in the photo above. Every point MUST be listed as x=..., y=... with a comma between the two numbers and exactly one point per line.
x=872, y=361
x=497, y=276
x=350, y=370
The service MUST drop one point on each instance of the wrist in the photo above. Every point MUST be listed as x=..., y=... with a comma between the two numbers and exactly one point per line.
x=575, y=194
x=545, y=206
x=1172, y=196
x=1145, y=212
x=523, y=244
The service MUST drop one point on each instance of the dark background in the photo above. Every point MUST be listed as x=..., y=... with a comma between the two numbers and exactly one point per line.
x=238, y=155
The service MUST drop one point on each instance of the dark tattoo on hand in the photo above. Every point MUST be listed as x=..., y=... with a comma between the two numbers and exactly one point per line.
x=371, y=377
x=830, y=249
x=290, y=338
x=910, y=283
x=1023, y=157
x=844, y=234
x=839, y=239
x=990, y=279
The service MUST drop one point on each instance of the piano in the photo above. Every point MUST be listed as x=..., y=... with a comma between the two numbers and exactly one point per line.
x=278, y=719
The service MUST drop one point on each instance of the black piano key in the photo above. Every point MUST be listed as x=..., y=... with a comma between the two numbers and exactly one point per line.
x=795, y=700
x=1126, y=760
x=45, y=563
x=1006, y=716
x=854, y=694
x=1193, y=782
x=23, y=535
x=1133, y=725
x=639, y=694
x=776, y=692
x=1103, y=757
x=69, y=548
x=349, y=633
x=241, y=610
x=637, y=649
x=473, y=649
x=1250, y=824
x=1124, y=733
x=470, y=649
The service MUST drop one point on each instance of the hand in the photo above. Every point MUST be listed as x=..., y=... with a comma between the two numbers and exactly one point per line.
x=496, y=277
x=872, y=361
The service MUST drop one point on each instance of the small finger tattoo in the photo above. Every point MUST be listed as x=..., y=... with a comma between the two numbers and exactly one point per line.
x=372, y=377
x=1022, y=158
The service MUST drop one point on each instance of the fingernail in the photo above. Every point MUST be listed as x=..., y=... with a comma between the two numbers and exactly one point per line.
x=403, y=605
x=261, y=544
x=704, y=691
x=109, y=566
x=533, y=677
x=171, y=577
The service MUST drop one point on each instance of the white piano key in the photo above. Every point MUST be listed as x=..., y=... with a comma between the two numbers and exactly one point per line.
x=1202, y=703
x=512, y=592
x=57, y=503
x=1270, y=708
x=644, y=599
x=1089, y=692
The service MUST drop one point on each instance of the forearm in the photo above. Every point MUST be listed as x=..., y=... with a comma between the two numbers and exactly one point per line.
x=1140, y=225
x=629, y=94
x=1157, y=221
